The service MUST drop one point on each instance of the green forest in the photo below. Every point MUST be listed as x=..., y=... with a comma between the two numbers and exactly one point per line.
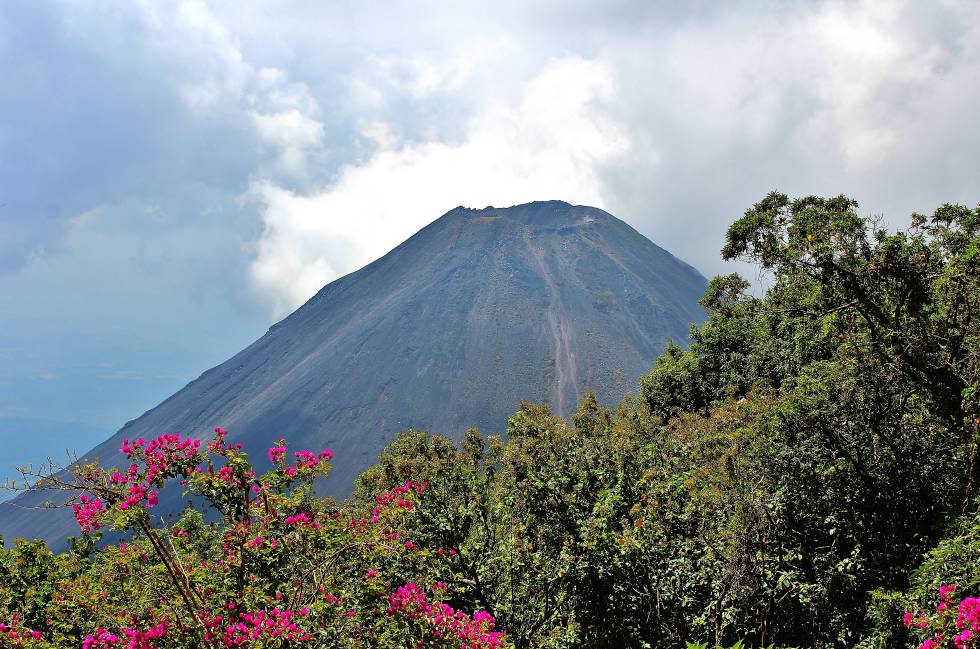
x=802, y=473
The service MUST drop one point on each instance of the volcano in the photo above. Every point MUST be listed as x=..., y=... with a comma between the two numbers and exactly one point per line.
x=477, y=311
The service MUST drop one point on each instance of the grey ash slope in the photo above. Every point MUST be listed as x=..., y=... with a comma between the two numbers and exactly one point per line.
x=451, y=329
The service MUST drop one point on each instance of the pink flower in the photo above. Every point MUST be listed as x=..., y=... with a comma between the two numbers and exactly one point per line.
x=946, y=591
x=475, y=631
x=276, y=453
x=87, y=512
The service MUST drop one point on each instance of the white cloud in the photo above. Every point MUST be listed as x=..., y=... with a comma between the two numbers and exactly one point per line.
x=289, y=128
x=550, y=145
x=823, y=79
x=423, y=74
x=870, y=99
x=212, y=75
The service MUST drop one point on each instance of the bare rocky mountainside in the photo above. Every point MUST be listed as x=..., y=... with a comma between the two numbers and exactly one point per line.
x=450, y=330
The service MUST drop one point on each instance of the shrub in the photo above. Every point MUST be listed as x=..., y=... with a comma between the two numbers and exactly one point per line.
x=279, y=568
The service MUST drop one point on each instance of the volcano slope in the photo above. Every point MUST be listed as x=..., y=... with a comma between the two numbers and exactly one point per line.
x=452, y=329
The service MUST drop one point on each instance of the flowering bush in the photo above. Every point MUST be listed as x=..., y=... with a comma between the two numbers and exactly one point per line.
x=409, y=602
x=951, y=624
x=280, y=568
x=17, y=635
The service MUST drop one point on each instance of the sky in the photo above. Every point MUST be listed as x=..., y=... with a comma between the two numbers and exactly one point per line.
x=177, y=176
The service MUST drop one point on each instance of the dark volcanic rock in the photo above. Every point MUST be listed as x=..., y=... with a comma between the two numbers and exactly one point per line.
x=450, y=330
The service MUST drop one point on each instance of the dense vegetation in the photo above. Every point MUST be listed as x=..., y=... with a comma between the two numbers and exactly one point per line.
x=805, y=473
x=279, y=568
